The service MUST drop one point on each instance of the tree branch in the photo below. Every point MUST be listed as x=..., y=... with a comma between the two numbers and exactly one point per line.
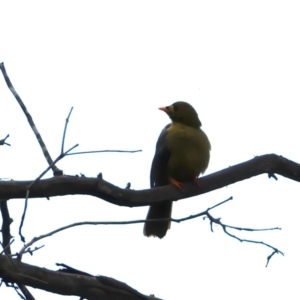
x=30, y=121
x=205, y=213
x=89, y=287
x=3, y=141
x=6, y=221
x=104, y=151
x=65, y=130
x=97, y=187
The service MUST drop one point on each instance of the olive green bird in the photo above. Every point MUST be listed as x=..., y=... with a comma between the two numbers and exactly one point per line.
x=182, y=154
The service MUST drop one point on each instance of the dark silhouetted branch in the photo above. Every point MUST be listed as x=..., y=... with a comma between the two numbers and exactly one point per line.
x=88, y=287
x=97, y=187
x=65, y=130
x=104, y=151
x=30, y=186
x=5, y=229
x=6, y=237
x=56, y=171
x=2, y=142
x=204, y=213
x=30, y=120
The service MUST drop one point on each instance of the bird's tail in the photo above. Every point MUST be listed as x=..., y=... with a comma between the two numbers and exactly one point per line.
x=158, y=211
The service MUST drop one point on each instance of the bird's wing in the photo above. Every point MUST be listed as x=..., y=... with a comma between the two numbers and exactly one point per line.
x=158, y=174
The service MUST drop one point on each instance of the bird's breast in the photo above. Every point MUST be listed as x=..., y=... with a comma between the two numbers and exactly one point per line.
x=190, y=152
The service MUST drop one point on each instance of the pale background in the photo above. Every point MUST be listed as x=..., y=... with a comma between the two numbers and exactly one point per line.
x=116, y=62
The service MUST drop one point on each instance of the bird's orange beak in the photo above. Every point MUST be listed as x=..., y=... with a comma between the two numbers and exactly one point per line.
x=163, y=109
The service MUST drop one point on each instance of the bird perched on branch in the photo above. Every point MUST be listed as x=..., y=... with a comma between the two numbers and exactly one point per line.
x=182, y=154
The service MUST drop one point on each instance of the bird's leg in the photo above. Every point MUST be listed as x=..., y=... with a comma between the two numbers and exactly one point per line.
x=178, y=184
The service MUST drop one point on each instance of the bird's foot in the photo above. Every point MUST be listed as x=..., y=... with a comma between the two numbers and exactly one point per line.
x=178, y=184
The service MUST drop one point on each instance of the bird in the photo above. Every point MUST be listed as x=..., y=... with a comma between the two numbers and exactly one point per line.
x=182, y=154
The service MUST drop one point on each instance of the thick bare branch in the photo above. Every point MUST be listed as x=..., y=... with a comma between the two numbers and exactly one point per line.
x=89, y=287
x=97, y=187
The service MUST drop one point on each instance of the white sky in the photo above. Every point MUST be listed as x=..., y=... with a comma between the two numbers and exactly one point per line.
x=116, y=62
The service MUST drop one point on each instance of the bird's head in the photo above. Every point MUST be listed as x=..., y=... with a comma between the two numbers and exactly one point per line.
x=182, y=112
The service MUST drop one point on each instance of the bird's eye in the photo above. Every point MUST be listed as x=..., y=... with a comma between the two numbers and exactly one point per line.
x=176, y=108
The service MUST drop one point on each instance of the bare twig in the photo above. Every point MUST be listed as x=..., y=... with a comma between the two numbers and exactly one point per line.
x=25, y=292
x=101, y=151
x=56, y=171
x=275, y=250
x=204, y=213
x=15, y=287
x=30, y=251
x=62, y=155
x=70, y=270
x=225, y=227
x=2, y=142
x=271, y=255
x=4, y=248
x=65, y=130
x=22, y=287
x=9, y=256
x=38, y=238
x=23, y=218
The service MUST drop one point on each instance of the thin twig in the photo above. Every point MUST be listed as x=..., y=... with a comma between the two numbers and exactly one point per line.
x=70, y=270
x=101, y=151
x=275, y=250
x=218, y=204
x=23, y=217
x=225, y=226
x=15, y=287
x=30, y=120
x=2, y=142
x=271, y=255
x=35, y=239
x=9, y=257
x=204, y=213
x=4, y=248
x=25, y=292
x=251, y=229
x=62, y=155
x=65, y=130
x=29, y=250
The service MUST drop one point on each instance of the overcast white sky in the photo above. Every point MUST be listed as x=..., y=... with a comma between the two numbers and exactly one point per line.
x=116, y=62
